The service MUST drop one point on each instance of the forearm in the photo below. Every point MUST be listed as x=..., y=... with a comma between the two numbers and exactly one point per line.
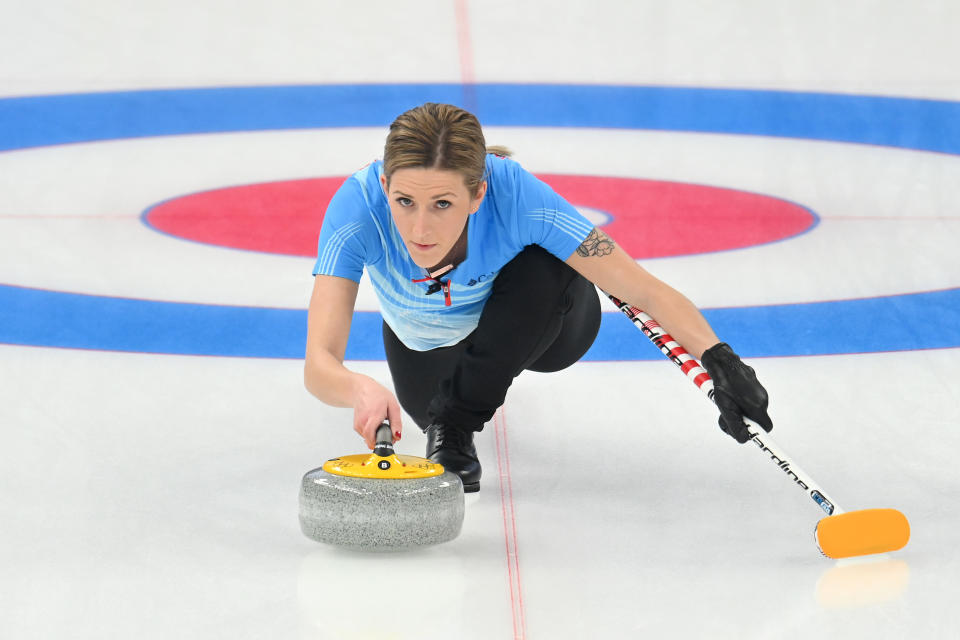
x=326, y=378
x=605, y=264
x=679, y=317
x=328, y=329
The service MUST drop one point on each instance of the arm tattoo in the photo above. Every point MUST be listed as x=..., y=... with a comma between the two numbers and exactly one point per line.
x=597, y=244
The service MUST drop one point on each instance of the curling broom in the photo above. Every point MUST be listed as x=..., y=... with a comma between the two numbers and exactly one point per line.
x=842, y=534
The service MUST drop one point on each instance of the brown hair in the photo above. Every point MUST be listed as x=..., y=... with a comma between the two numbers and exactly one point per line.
x=439, y=136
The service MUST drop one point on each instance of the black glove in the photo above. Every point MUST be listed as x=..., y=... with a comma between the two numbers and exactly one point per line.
x=736, y=392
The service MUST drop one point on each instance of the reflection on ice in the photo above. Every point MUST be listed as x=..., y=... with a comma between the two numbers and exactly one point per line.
x=859, y=582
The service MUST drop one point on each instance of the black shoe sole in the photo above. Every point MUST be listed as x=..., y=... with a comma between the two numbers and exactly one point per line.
x=473, y=487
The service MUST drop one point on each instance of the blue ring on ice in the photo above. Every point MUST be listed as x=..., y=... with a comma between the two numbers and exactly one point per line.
x=59, y=319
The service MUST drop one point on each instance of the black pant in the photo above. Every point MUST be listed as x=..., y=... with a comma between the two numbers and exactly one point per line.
x=541, y=315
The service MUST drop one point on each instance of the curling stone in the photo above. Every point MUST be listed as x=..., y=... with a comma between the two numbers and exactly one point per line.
x=381, y=501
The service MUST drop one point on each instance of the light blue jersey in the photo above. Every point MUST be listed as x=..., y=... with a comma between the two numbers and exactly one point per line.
x=518, y=210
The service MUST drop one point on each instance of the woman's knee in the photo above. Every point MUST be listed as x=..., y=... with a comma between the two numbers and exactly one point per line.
x=579, y=327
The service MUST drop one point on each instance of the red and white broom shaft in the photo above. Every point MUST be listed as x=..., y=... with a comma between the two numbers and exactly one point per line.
x=699, y=376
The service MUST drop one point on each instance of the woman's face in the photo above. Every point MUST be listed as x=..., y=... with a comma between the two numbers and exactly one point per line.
x=430, y=208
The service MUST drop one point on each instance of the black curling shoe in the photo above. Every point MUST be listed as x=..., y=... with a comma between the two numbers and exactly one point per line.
x=453, y=448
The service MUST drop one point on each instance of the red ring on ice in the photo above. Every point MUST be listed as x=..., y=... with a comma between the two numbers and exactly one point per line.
x=648, y=218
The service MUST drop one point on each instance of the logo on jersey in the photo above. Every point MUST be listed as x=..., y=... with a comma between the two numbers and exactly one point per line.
x=479, y=279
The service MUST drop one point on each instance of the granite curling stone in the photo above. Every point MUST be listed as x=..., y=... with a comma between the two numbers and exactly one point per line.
x=381, y=501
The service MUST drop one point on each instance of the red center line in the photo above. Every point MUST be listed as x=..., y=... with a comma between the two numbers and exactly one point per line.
x=501, y=472
x=509, y=526
x=890, y=218
x=513, y=525
x=465, y=46
x=468, y=79
x=65, y=216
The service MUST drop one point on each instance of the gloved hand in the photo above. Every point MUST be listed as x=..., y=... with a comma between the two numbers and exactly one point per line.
x=736, y=391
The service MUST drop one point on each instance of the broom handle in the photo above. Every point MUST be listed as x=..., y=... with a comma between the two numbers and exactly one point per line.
x=699, y=376
x=384, y=436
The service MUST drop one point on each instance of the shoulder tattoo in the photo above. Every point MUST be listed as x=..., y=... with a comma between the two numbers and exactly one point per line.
x=596, y=244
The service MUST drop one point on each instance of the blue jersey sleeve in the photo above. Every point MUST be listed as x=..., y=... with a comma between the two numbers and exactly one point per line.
x=544, y=218
x=341, y=249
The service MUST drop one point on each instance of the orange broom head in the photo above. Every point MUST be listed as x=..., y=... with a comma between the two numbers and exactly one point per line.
x=860, y=533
